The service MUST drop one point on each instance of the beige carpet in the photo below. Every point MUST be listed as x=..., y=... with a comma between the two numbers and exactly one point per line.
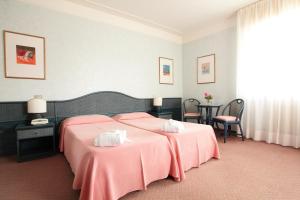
x=247, y=170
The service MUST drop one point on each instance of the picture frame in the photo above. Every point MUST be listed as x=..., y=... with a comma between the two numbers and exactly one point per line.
x=166, y=71
x=206, y=69
x=24, y=56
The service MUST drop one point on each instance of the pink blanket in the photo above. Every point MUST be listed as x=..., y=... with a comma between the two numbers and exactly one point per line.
x=107, y=173
x=194, y=146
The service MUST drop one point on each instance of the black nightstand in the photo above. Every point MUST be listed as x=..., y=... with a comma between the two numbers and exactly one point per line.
x=35, y=141
x=163, y=115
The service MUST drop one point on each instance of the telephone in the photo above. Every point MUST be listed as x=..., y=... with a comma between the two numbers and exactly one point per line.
x=39, y=121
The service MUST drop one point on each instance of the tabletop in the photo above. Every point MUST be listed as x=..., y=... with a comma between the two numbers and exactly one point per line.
x=210, y=105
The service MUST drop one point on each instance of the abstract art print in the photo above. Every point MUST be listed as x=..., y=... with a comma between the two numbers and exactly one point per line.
x=24, y=56
x=206, y=69
x=166, y=73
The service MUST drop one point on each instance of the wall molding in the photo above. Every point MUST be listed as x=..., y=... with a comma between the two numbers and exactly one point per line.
x=107, y=18
x=124, y=14
x=209, y=30
x=90, y=10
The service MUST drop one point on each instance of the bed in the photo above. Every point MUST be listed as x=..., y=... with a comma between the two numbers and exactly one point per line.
x=108, y=173
x=194, y=146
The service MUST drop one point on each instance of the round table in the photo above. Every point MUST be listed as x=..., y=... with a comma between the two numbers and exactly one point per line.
x=208, y=111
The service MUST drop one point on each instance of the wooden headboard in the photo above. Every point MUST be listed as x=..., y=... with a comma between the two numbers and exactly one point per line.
x=106, y=103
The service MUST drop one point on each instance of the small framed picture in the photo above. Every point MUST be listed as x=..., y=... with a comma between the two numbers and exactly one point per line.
x=24, y=56
x=166, y=70
x=206, y=69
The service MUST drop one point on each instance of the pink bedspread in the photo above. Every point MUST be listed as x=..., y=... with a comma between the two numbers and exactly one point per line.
x=107, y=173
x=194, y=146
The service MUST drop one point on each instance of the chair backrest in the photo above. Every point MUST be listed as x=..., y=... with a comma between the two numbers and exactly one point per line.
x=234, y=108
x=190, y=105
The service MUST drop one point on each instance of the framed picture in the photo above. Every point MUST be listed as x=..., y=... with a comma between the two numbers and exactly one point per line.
x=206, y=69
x=166, y=70
x=24, y=56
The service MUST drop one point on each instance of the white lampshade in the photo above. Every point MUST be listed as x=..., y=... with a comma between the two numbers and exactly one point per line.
x=157, y=101
x=37, y=105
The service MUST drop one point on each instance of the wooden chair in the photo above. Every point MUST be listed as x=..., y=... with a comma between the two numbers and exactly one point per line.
x=191, y=110
x=231, y=115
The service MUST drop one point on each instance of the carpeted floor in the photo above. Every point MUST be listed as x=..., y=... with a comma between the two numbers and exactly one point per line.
x=246, y=171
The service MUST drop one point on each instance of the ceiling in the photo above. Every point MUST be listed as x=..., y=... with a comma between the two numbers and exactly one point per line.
x=176, y=16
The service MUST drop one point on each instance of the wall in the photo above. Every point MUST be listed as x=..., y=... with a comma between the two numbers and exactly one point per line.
x=85, y=56
x=223, y=45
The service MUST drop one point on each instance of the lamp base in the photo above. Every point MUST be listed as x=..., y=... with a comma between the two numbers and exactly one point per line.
x=32, y=116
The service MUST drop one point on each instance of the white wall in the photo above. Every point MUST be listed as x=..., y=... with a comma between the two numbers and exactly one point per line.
x=223, y=45
x=85, y=56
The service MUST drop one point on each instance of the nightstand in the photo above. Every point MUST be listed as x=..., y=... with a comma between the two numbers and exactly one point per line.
x=35, y=141
x=163, y=115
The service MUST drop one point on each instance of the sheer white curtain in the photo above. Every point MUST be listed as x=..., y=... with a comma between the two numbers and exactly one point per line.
x=268, y=70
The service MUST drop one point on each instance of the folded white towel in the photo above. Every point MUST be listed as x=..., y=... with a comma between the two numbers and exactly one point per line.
x=110, y=139
x=173, y=126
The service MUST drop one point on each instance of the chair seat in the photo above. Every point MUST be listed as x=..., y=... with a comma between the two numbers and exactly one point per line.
x=190, y=114
x=226, y=118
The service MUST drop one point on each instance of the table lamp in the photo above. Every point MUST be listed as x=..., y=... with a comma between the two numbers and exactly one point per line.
x=36, y=107
x=157, y=103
